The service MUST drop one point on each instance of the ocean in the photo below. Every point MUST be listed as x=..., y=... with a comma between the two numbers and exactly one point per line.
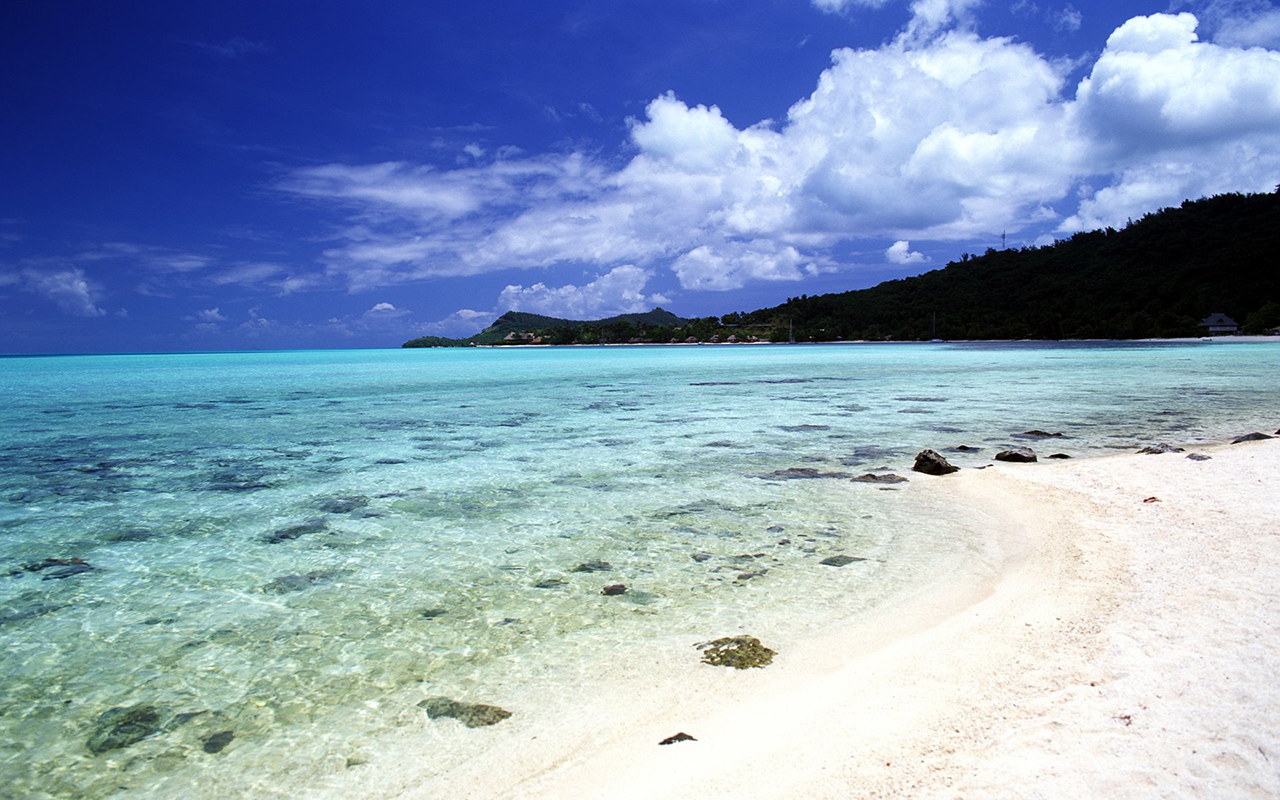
x=231, y=574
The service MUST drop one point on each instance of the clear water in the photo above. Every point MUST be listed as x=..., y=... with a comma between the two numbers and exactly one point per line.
x=296, y=547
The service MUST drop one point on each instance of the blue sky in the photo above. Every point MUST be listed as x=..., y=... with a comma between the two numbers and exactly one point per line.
x=179, y=176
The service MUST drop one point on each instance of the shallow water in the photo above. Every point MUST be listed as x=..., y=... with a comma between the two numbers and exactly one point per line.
x=292, y=547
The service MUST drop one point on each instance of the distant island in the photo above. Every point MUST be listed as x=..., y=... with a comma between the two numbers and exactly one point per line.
x=1160, y=276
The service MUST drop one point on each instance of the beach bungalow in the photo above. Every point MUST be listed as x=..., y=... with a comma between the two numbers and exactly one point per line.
x=1219, y=323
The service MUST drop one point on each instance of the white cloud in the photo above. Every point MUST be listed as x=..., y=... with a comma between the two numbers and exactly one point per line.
x=836, y=6
x=900, y=253
x=69, y=289
x=1171, y=117
x=619, y=291
x=940, y=134
x=732, y=265
x=210, y=315
x=380, y=308
x=460, y=324
x=1068, y=19
x=695, y=139
x=1260, y=31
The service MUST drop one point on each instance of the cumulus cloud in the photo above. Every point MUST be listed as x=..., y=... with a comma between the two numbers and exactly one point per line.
x=210, y=315
x=1173, y=117
x=619, y=291
x=900, y=253
x=940, y=134
x=732, y=265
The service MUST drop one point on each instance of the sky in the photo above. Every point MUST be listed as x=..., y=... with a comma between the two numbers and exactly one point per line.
x=266, y=175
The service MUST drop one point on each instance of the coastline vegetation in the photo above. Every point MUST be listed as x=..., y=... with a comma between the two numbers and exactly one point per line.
x=1157, y=277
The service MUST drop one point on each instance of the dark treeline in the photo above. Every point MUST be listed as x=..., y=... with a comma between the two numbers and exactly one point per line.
x=1158, y=277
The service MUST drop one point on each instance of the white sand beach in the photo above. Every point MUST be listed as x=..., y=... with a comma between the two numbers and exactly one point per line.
x=1127, y=646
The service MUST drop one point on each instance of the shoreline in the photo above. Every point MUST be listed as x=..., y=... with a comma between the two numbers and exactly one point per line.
x=1121, y=650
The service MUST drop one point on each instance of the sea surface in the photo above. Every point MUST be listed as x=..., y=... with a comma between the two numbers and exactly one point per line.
x=223, y=573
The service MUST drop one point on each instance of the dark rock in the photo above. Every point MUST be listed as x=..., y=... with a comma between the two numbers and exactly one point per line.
x=799, y=428
x=121, y=727
x=931, y=463
x=964, y=448
x=1156, y=449
x=1198, y=457
x=313, y=525
x=473, y=715
x=432, y=613
x=550, y=583
x=48, y=563
x=873, y=478
x=700, y=557
x=1060, y=456
x=295, y=583
x=739, y=652
x=839, y=561
x=58, y=573
x=1018, y=455
x=746, y=576
x=132, y=535
x=1038, y=434
x=38, y=610
x=679, y=737
x=774, y=529
x=343, y=505
x=593, y=566
x=218, y=741
x=1251, y=437
x=800, y=473
x=615, y=589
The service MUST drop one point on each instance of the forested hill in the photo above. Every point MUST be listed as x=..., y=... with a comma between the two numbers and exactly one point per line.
x=522, y=327
x=1158, y=277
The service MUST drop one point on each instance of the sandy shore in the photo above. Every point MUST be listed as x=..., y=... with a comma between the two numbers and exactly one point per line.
x=1120, y=648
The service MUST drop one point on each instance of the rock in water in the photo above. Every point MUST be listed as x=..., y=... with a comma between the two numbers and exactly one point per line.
x=218, y=741
x=800, y=474
x=1059, y=456
x=739, y=652
x=121, y=727
x=313, y=525
x=615, y=589
x=1157, y=449
x=1251, y=437
x=1018, y=455
x=473, y=715
x=873, y=478
x=839, y=561
x=593, y=566
x=343, y=505
x=930, y=463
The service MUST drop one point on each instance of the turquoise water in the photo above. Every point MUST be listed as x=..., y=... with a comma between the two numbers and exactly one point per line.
x=293, y=548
